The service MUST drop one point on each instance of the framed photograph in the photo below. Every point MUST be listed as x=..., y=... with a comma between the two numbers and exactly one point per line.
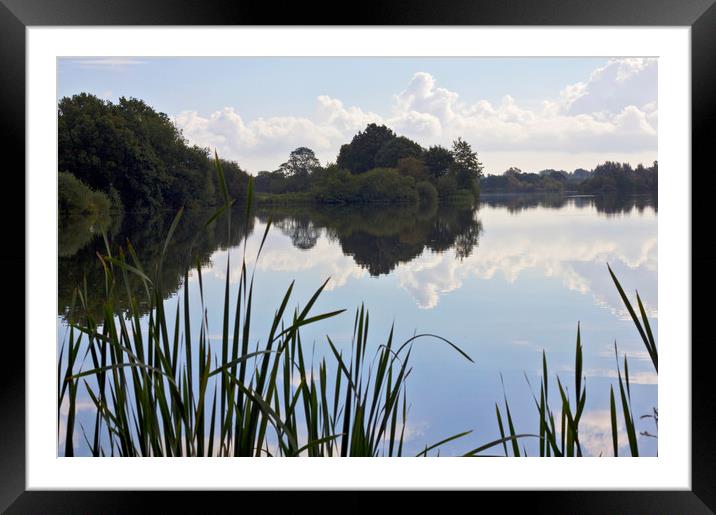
x=262, y=246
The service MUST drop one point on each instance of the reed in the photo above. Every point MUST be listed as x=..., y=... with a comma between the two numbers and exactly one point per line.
x=563, y=440
x=162, y=387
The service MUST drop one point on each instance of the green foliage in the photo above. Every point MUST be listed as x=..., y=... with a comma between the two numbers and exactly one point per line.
x=271, y=182
x=291, y=197
x=642, y=325
x=76, y=197
x=447, y=186
x=137, y=155
x=413, y=167
x=359, y=155
x=386, y=185
x=466, y=168
x=465, y=159
x=608, y=178
x=438, y=160
x=301, y=162
x=426, y=193
x=396, y=149
x=378, y=153
x=516, y=181
x=612, y=177
x=295, y=175
x=377, y=185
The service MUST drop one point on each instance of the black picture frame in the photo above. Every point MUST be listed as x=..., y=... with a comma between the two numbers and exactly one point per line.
x=16, y=15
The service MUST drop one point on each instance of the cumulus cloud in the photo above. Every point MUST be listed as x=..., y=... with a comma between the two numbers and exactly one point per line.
x=270, y=140
x=612, y=87
x=613, y=110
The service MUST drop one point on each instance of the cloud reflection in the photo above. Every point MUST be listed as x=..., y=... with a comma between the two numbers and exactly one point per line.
x=567, y=245
x=572, y=244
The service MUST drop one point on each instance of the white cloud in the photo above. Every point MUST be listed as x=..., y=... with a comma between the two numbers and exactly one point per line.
x=613, y=111
x=610, y=88
x=331, y=112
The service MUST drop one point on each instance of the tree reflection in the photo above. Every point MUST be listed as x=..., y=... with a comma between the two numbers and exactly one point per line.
x=605, y=204
x=301, y=230
x=191, y=243
x=380, y=237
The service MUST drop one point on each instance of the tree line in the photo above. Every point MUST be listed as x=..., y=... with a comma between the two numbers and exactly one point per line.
x=607, y=178
x=127, y=156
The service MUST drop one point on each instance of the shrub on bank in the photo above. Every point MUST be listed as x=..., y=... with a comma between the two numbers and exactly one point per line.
x=74, y=196
x=377, y=185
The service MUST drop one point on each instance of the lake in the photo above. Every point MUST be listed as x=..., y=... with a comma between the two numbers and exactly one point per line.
x=504, y=281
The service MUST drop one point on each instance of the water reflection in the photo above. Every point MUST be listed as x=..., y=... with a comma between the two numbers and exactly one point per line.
x=191, y=243
x=604, y=204
x=429, y=251
x=380, y=237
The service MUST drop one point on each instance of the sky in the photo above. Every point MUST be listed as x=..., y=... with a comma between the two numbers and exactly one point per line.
x=530, y=113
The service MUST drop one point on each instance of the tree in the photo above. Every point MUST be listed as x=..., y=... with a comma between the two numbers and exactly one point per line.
x=236, y=179
x=438, y=160
x=301, y=163
x=262, y=181
x=466, y=167
x=358, y=156
x=464, y=158
x=396, y=149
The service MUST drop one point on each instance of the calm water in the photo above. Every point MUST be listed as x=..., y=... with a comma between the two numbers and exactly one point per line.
x=503, y=281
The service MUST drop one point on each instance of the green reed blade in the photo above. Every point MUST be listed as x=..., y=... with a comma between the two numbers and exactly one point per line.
x=477, y=450
x=613, y=413
x=441, y=442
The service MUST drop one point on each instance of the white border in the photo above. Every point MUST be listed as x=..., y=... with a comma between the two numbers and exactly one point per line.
x=670, y=470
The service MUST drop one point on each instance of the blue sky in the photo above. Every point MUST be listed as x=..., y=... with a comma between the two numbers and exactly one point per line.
x=532, y=113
